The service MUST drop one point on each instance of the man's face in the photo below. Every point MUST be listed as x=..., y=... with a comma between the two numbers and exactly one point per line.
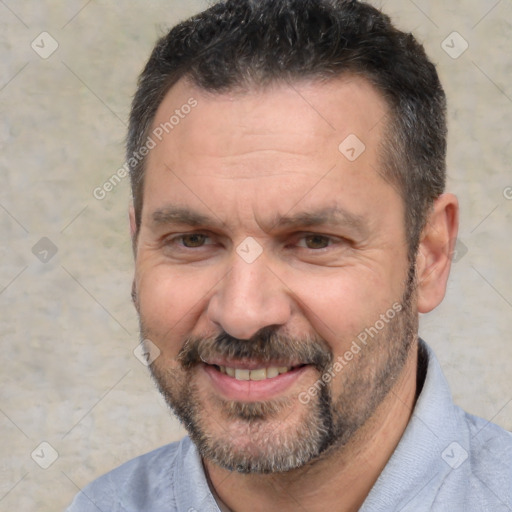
x=265, y=251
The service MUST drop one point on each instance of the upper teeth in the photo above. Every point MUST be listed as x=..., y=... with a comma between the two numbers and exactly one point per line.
x=257, y=374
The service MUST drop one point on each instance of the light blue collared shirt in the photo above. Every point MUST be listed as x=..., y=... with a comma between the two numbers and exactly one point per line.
x=446, y=461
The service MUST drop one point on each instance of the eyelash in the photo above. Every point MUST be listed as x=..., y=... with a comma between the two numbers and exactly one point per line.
x=181, y=237
x=330, y=240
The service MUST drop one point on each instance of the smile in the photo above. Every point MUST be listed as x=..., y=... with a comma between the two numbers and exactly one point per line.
x=251, y=380
x=256, y=374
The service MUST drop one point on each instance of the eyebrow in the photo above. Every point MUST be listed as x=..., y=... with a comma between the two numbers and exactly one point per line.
x=325, y=216
x=180, y=215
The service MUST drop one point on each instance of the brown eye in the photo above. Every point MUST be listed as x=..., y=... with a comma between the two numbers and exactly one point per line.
x=193, y=240
x=316, y=241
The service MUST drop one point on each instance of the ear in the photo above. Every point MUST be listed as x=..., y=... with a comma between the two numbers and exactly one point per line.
x=133, y=234
x=133, y=228
x=435, y=252
x=134, y=296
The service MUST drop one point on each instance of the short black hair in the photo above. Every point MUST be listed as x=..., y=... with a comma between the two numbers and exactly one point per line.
x=254, y=43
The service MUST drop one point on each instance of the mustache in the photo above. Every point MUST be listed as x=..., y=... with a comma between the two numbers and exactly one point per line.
x=266, y=345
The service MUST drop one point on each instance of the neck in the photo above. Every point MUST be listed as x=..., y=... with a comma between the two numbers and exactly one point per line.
x=341, y=479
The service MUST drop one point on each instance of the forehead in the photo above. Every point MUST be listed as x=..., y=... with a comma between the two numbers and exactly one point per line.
x=268, y=145
x=294, y=115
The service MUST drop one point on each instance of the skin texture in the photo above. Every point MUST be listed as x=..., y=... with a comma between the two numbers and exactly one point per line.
x=243, y=161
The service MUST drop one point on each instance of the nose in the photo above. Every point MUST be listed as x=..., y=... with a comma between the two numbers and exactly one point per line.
x=248, y=299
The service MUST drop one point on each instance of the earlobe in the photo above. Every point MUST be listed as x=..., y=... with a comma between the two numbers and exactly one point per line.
x=133, y=225
x=133, y=228
x=134, y=296
x=435, y=252
x=133, y=234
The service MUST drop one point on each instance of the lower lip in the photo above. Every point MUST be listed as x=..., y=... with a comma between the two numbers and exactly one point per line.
x=253, y=390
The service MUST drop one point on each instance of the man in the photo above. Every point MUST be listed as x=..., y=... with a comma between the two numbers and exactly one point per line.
x=289, y=223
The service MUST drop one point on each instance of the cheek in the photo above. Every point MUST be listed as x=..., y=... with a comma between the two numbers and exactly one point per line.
x=170, y=300
x=341, y=304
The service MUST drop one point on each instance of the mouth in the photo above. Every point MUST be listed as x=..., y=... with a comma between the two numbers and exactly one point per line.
x=262, y=373
x=252, y=381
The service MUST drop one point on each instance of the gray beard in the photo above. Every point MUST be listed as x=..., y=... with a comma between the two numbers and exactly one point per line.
x=326, y=423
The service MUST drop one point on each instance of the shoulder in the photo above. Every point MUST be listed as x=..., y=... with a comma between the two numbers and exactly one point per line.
x=483, y=471
x=490, y=455
x=467, y=460
x=488, y=439
x=139, y=484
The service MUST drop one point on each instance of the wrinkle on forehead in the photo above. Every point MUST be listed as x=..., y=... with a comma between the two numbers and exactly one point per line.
x=240, y=123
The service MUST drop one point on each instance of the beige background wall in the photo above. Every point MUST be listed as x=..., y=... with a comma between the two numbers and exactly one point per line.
x=68, y=375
